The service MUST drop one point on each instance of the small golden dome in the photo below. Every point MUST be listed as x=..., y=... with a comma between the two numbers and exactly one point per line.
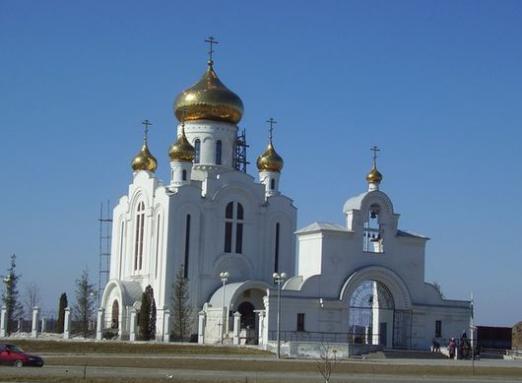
x=144, y=160
x=270, y=161
x=374, y=176
x=208, y=99
x=181, y=150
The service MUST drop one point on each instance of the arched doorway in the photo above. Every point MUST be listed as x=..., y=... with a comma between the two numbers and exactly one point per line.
x=115, y=314
x=371, y=314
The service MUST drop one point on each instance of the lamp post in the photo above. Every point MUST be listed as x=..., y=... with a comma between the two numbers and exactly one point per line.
x=279, y=278
x=224, y=275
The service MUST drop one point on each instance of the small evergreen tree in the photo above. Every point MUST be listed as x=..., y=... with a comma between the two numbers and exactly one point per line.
x=61, y=313
x=147, y=318
x=83, y=310
x=182, y=311
x=10, y=296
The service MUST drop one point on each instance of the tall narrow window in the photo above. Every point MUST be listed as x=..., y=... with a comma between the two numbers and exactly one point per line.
x=158, y=244
x=184, y=175
x=300, y=322
x=272, y=184
x=122, y=242
x=197, y=149
x=138, y=242
x=218, y=152
x=438, y=329
x=187, y=246
x=276, y=250
x=234, y=214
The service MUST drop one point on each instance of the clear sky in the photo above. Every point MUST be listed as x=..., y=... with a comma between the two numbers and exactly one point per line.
x=436, y=84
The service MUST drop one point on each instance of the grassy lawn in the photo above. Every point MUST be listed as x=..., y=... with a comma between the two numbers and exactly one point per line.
x=50, y=346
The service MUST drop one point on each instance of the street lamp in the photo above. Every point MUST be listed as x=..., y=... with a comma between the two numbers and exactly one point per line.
x=224, y=275
x=279, y=278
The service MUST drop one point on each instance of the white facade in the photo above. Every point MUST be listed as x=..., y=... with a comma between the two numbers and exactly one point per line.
x=363, y=282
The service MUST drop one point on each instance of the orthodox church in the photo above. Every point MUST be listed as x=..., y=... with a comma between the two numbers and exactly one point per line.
x=232, y=235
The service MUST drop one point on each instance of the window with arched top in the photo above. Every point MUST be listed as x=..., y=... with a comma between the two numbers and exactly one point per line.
x=184, y=175
x=234, y=216
x=219, y=148
x=276, y=249
x=138, y=240
x=272, y=184
x=372, y=232
x=197, y=150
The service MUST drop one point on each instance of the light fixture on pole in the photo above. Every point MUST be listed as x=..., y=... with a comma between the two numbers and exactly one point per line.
x=279, y=279
x=224, y=275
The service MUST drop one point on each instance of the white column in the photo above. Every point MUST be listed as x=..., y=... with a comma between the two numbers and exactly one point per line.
x=43, y=325
x=132, y=329
x=20, y=323
x=3, y=322
x=166, y=326
x=34, y=324
x=201, y=327
x=237, y=327
x=261, y=326
x=376, y=320
x=99, y=323
x=67, y=324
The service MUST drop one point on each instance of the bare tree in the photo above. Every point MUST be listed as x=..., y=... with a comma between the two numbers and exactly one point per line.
x=32, y=296
x=328, y=361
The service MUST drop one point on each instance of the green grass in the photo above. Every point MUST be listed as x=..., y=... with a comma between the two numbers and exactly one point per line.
x=49, y=346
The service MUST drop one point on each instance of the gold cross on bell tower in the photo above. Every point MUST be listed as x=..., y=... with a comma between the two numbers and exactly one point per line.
x=211, y=41
x=147, y=123
x=271, y=123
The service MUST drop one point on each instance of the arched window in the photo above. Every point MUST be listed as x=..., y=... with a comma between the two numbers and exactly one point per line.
x=272, y=184
x=372, y=233
x=138, y=241
x=219, y=148
x=234, y=227
x=197, y=149
x=122, y=243
x=184, y=175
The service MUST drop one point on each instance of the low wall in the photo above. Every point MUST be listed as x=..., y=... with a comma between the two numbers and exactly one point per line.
x=315, y=350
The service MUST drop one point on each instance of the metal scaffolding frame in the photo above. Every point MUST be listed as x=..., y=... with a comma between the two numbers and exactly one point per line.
x=104, y=257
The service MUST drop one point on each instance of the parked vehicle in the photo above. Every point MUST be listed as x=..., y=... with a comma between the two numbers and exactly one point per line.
x=14, y=356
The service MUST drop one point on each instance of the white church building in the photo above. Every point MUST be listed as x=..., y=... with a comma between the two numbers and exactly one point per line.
x=358, y=283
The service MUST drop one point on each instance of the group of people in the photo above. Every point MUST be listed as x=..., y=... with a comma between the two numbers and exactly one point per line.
x=463, y=347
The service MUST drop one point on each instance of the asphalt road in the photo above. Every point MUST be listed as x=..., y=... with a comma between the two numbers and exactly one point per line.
x=195, y=375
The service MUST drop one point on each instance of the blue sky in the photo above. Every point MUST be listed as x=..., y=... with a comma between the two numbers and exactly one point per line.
x=436, y=84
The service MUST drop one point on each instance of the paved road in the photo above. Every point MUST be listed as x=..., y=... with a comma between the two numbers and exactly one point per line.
x=168, y=374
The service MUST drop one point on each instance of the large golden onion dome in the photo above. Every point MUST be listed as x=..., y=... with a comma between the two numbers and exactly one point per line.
x=270, y=161
x=181, y=150
x=208, y=99
x=144, y=160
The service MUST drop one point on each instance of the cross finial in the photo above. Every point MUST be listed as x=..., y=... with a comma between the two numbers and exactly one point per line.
x=147, y=123
x=211, y=41
x=271, y=122
x=375, y=149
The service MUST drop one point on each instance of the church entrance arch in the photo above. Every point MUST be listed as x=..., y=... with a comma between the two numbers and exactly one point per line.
x=379, y=308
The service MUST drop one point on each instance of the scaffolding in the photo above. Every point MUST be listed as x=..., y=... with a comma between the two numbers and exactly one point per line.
x=240, y=154
x=104, y=257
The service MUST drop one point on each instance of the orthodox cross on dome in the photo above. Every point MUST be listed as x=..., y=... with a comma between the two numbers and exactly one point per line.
x=271, y=122
x=147, y=123
x=211, y=41
x=375, y=149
